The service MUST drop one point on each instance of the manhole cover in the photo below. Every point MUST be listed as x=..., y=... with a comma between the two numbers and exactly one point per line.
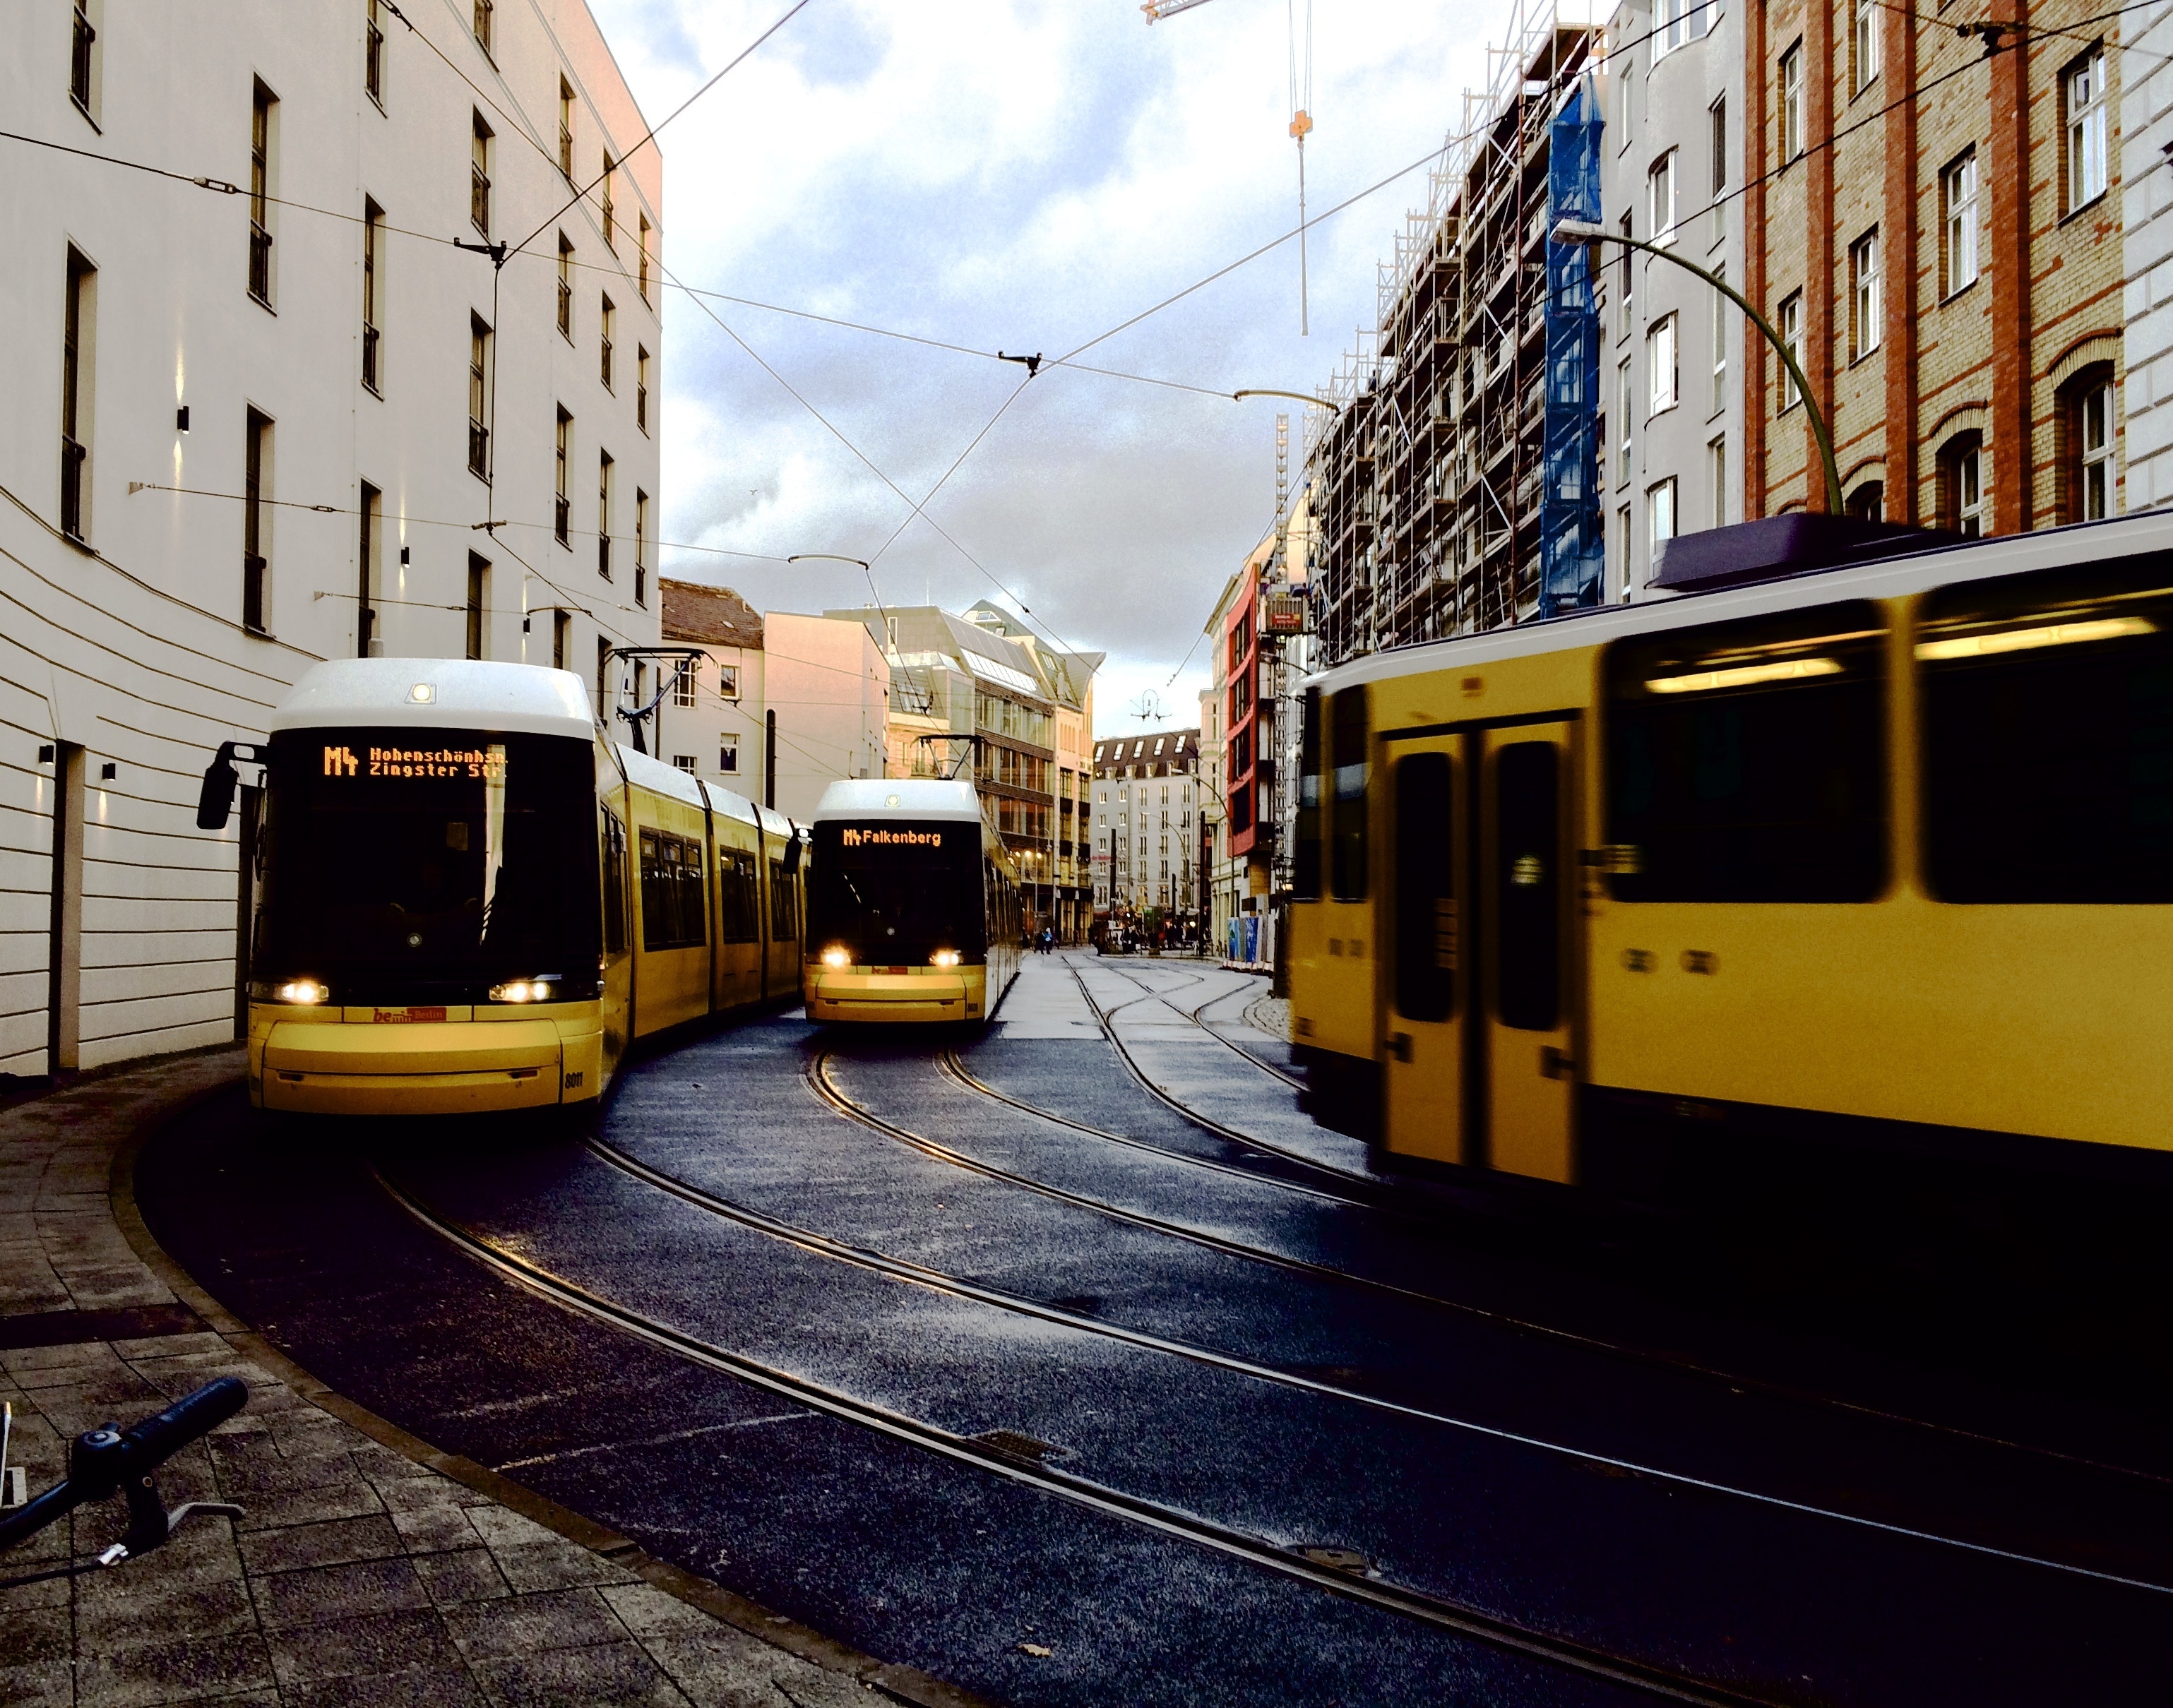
x=1012, y=1445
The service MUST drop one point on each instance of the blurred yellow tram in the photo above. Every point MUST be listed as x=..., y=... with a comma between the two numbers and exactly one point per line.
x=1879, y=857
x=913, y=906
x=467, y=899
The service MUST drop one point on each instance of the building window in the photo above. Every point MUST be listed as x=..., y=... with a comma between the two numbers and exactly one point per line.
x=478, y=584
x=368, y=547
x=1792, y=341
x=1622, y=114
x=484, y=9
x=2086, y=428
x=479, y=177
x=1666, y=372
x=603, y=513
x=2083, y=92
x=1723, y=312
x=644, y=257
x=1659, y=516
x=684, y=762
x=728, y=755
x=1863, y=296
x=610, y=240
x=478, y=398
x=1867, y=502
x=1719, y=146
x=1629, y=273
x=565, y=287
x=1792, y=103
x=641, y=388
x=1625, y=394
x=77, y=321
x=728, y=681
x=1716, y=465
x=641, y=547
x=83, y=62
x=561, y=630
x=1622, y=533
x=566, y=129
x=1674, y=26
x=1660, y=186
x=373, y=262
x=604, y=343
x=373, y=51
x=262, y=135
x=1958, y=224
x=1863, y=43
x=256, y=535
x=562, y=509
x=1963, y=486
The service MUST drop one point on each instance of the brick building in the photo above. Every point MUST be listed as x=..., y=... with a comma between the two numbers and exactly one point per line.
x=1936, y=219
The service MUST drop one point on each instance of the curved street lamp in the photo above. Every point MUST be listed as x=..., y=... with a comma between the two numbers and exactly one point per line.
x=1582, y=231
x=1273, y=391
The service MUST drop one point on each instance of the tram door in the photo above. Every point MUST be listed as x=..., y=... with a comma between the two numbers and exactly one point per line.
x=1479, y=1064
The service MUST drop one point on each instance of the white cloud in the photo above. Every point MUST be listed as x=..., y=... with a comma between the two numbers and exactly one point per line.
x=1022, y=176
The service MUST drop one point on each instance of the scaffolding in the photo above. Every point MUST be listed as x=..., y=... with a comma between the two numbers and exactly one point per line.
x=1430, y=479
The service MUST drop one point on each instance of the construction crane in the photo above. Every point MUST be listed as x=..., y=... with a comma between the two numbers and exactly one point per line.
x=1301, y=124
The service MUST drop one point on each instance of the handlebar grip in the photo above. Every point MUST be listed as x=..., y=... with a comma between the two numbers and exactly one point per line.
x=146, y=1445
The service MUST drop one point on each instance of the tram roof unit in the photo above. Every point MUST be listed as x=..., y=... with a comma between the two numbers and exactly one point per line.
x=660, y=778
x=1884, y=577
x=900, y=797
x=462, y=694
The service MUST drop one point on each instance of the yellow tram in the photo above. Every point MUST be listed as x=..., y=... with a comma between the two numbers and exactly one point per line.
x=1880, y=857
x=913, y=907
x=467, y=899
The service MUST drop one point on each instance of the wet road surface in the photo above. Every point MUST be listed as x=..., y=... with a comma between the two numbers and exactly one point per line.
x=1209, y=1412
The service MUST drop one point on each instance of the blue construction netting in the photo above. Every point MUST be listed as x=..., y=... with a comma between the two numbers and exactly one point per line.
x=1572, y=554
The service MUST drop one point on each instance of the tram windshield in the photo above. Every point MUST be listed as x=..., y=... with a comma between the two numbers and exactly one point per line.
x=399, y=862
x=896, y=891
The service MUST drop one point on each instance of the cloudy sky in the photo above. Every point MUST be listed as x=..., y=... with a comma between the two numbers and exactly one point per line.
x=1020, y=175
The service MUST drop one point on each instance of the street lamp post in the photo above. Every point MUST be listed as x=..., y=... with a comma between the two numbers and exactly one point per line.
x=1582, y=231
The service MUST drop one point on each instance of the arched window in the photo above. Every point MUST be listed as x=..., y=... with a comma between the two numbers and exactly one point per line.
x=1966, y=485
x=1867, y=502
x=2086, y=445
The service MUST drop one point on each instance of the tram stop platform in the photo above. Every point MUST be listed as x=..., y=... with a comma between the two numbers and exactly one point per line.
x=368, y=1567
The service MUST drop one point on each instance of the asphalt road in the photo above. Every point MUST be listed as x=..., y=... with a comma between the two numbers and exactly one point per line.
x=955, y=1381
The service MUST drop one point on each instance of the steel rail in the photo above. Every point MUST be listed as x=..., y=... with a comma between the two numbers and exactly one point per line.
x=1438, y=1611
x=953, y=1066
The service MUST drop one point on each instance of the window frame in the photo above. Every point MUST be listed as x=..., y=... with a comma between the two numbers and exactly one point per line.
x=2085, y=131
x=372, y=290
x=1790, y=327
x=1864, y=47
x=1664, y=361
x=563, y=500
x=1789, y=88
x=482, y=350
x=1866, y=305
x=605, y=470
x=1662, y=195
x=1960, y=223
x=263, y=192
x=480, y=139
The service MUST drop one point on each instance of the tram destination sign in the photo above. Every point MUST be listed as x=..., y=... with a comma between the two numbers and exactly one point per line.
x=853, y=837
x=487, y=763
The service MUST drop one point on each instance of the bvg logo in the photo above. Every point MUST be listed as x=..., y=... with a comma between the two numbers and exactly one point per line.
x=340, y=762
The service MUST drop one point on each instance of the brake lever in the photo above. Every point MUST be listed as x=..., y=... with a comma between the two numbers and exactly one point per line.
x=149, y=1522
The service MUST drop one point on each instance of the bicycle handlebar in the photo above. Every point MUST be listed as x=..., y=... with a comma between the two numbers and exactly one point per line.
x=101, y=1461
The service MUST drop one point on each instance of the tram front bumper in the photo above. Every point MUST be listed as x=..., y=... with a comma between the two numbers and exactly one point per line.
x=425, y=1068
x=892, y=996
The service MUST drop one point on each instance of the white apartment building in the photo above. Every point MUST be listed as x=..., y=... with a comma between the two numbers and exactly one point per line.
x=1145, y=827
x=270, y=401
x=2146, y=173
x=1671, y=347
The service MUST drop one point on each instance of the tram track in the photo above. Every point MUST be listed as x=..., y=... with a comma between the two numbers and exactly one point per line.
x=1194, y=1015
x=954, y=1068
x=1442, y=1613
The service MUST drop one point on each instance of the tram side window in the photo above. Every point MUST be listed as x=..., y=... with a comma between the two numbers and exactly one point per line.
x=783, y=905
x=673, y=907
x=614, y=884
x=1305, y=879
x=1426, y=946
x=2048, y=735
x=739, y=900
x=1746, y=762
x=1349, y=740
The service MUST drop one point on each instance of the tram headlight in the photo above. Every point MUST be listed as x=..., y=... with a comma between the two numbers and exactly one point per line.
x=522, y=990
x=943, y=958
x=836, y=955
x=303, y=992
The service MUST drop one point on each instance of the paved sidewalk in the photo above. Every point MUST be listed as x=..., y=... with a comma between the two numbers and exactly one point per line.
x=369, y=1568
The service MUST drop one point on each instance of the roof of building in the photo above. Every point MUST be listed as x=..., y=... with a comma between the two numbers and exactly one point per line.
x=708, y=616
x=1163, y=746
x=422, y=693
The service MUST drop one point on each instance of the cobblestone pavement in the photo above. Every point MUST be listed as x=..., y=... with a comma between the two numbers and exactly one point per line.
x=358, y=1575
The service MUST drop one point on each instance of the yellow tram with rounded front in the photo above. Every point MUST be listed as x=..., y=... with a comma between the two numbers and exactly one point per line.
x=467, y=899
